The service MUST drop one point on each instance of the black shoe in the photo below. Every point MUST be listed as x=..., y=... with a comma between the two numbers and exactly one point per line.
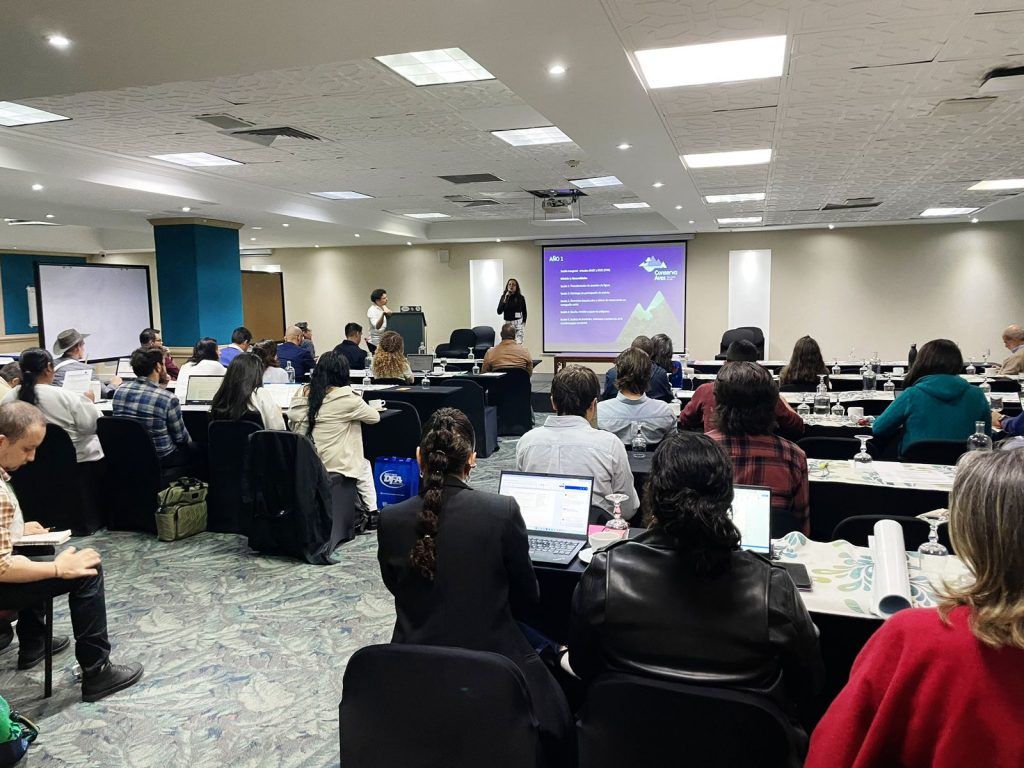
x=111, y=678
x=27, y=662
x=372, y=520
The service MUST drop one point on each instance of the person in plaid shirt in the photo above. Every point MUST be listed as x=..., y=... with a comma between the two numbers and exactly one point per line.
x=746, y=396
x=145, y=401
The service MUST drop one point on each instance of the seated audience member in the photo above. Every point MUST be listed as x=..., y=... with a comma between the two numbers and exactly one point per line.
x=936, y=403
x=350, y=348
x=943, y=687
x=632, y=409
x=568, y=444
x=746, y=398
x=241, y=340
x=456, y=559
x=204, y=362
x=1012, y=426
x=307, y=338
x=509, y=353
x=26, y=584
x=157, y=409
x=291, y=351
x=150, y=337
x=801, y=373
x=699, y=413
x=330, y=413
x=389, y=361
x=10, y=377
x=1013, y=340
x=72, y=412
x=683, y=602
x=658, y=388
x=69, y=349
x=273, y=373
x=662, y=356
x=242, y=396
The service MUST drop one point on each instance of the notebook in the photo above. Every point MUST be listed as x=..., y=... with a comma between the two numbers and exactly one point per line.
x=421, y=363
x=556, y=509
x=201, y=389
x=48, y=539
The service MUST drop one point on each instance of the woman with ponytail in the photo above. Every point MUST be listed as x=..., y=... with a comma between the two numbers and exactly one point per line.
x=683, y=602
x=456, y=559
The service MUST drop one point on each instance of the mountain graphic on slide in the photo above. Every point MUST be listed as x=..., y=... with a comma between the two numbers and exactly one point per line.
x=658, y=317
x=651, y=263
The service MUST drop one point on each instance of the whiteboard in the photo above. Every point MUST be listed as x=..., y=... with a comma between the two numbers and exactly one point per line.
x=110, y=303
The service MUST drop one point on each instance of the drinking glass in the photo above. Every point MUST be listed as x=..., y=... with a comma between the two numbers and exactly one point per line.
x=934, y=520
x=837, y=410
x=863, y=457
x=996, y=403
x=617, y=523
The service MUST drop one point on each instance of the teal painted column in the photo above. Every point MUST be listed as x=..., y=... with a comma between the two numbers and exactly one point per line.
x=200, y=277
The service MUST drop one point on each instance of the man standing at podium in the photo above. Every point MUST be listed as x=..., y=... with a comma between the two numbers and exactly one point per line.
x=377, y=314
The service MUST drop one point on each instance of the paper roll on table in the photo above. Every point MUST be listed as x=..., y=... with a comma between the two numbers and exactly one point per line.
x=890, y=589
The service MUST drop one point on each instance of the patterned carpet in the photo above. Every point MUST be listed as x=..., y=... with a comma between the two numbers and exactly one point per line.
x=244, y=655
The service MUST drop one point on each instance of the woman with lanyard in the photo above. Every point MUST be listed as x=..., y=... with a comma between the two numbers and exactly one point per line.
x=513, y=308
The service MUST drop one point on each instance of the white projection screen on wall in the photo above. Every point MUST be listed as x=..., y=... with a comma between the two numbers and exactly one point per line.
x=110, y=303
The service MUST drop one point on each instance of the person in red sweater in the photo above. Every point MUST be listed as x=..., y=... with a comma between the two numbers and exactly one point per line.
x=945, y=687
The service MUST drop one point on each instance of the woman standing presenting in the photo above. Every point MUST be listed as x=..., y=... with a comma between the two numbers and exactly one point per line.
x=513, y=308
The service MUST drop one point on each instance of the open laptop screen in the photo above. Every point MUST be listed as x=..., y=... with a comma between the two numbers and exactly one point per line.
x=124, y=368
x=421, y=363
x=557, y=504
x=752, y=514
x=201, y=389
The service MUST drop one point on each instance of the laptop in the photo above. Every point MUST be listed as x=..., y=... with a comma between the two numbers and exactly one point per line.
x=201, y=389
x=556, y=509
x=752, y=514
x=421, y=363
x=124, y=369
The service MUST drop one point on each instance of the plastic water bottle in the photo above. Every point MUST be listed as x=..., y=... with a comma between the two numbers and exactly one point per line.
x=426, y=380
x=979, y=441
x=870, y=380
x=290, y=370
x=639, y=443
x=912, y=354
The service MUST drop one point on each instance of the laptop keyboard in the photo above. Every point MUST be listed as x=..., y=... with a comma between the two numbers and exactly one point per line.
x=552, y=546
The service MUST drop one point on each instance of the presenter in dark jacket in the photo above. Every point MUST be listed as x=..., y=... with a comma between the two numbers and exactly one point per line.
x=683, y=602
x=512, y=307
x=457, y=561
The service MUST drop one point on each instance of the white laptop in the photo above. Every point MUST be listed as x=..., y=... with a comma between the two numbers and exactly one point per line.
x=421, y=363
x=752, y=514
x=556, y=509
x=124, y=368
x=201, y=389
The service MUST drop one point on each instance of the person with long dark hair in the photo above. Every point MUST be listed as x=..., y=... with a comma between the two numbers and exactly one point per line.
x=683, y=602
x=801, y=373
x=273, y=373
x=936, y=403
x=661, y=354
x=512, y=307
x=203, y=362
x=331, y=414
x=242, y=395
x=456, y=559
x=72, y=412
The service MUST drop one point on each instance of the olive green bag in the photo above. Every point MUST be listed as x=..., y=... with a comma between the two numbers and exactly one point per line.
x=182, y=511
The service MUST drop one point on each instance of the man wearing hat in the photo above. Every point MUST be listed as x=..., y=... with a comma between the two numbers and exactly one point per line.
x=307, y=338
x=69, y=355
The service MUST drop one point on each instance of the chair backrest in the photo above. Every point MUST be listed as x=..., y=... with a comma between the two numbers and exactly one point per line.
x=934, y=452
x=463, y=338
x=857, y=528
x=751, y=333
x=398, y=435
x=42, y=485
x=484, y=335
x=228, y=445
x=471, y=401
x=829, y=447
x=133, y=469
x=512, y=396
x=684, y=724
x=423, y=707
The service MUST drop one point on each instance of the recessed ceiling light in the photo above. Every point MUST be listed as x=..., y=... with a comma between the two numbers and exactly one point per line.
x=252, y=238
x=257, y=227
x=447, y=65
x=58, y=41
x=974, y=219
x=726, y=159
x=556, y=69
x=831, y=226
x=741, y=220
x=317, y=245
x=427, y=215
x=13, y=115
x=526, y=137
x=624, y=145
x=996, y=184
x=947, y=211
x=744, y=197
x=626, y=206
x=37, y=187
x=497, y=240
x=344, y=195
x=595, y=181
x=286, y=225
x=658, y=184
x=195, y=159
x=408, y=242
x=691, y=221
x=357, y=234
x=185, y=209
x=727, y=62
x=51, y=216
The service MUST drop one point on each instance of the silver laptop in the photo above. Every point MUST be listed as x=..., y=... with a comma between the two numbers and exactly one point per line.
x=556, y=509
x=201, y=389
x=421, y=363
x=124, y=368
x=752, y=514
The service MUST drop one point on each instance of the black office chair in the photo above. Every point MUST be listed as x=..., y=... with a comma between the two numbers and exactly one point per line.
x=473, y=402
x=838, y=448
x=684, y=724
x=484, y=339
x=428, y=706
x=133, y=470
x=228, y=444
x=857, y=528
x=751, y=333
x=459, y=343
x=398, y=436
x=512, y=397
x=934, y=452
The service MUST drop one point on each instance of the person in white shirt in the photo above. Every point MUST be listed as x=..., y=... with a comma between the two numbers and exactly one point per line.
x=568, y=444
x=243, y=396
x=273, y=373
x=631, y=409
x=204, y=362
x=71, y=411
x=377, y=314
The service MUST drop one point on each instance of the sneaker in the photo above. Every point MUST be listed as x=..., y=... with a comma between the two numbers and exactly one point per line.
x=27, y=662
x=111, y=678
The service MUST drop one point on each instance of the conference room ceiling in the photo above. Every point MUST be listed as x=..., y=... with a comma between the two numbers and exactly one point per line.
x=869, y=105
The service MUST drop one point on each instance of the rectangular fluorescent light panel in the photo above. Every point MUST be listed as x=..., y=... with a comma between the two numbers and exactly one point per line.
x=727, y=62
x=427, y=215
x=526, y=137
x=196, y=159
x=627, y=206
x=997, y=184
x=746, y=197
x=13, y=115
x=726, y=159
x=596, y=181
x=947, y=211
x=447, y=65
x=346, y=195
x=741, y=220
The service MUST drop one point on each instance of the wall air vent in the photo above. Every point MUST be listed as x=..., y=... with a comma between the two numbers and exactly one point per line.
x=266, y=136
x=852, y=203
x=225, y=121
x=471, y=178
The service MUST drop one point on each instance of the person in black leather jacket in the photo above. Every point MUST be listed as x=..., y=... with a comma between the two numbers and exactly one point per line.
x=683, y=602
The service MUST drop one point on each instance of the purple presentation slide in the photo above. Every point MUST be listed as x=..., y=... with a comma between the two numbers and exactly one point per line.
x=598, y=298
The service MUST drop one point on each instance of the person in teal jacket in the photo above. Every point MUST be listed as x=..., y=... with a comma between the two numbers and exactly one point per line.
x=936, y=404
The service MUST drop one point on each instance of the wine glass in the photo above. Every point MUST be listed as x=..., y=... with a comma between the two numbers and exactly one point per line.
x=617, y=523
x=934, y=520
x=863, y=457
